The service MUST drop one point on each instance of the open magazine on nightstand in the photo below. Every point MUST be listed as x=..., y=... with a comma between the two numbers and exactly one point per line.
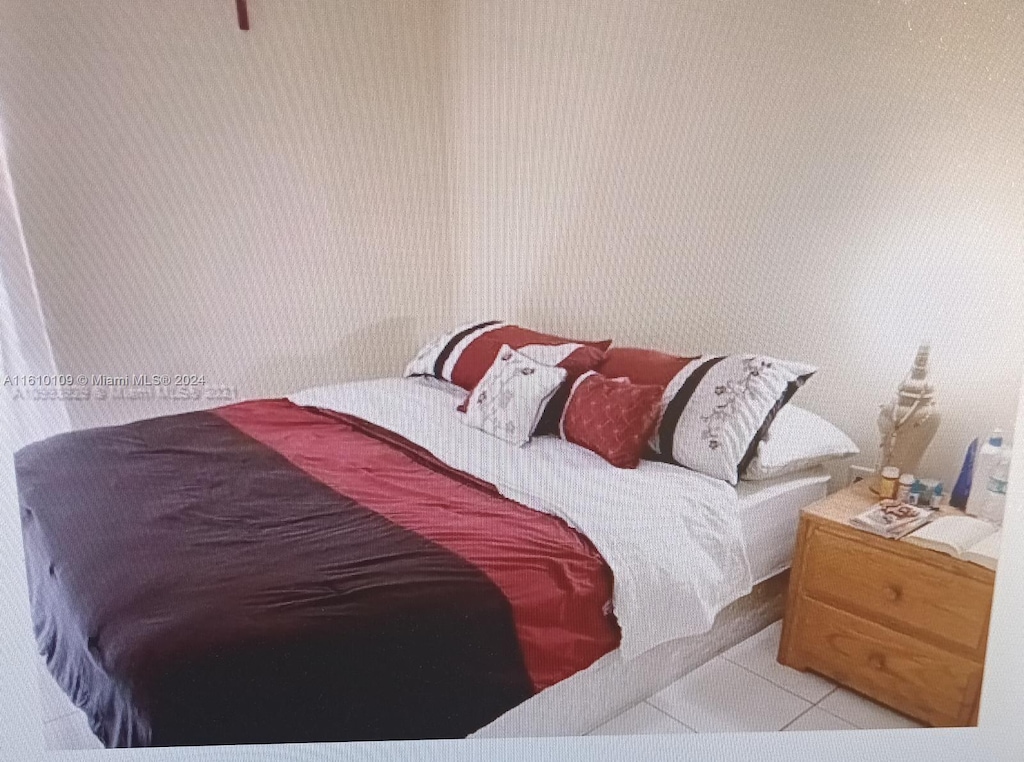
x=963, y=537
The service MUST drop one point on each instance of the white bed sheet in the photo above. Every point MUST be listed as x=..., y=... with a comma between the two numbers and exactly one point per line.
x=672, y=537
x=769, y=509
x=769, y=514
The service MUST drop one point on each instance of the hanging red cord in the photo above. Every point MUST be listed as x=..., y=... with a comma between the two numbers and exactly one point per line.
x=243, y=14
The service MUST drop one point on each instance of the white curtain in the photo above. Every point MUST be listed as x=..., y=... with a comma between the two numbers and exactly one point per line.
x=25, y=352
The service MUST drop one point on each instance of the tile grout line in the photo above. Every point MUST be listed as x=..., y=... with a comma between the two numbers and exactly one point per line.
x=60, y=717
x=847, y=720
x=834, y=689
x=805, y=711
x=674, y=719
x=613, y=717
x=780, y=687
x=851, y=722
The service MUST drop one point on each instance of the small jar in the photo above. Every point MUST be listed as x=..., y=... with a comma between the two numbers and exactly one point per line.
x=906, y=483
x=887, y=483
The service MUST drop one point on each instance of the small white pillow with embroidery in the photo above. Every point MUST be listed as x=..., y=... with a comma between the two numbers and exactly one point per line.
x=510, y=398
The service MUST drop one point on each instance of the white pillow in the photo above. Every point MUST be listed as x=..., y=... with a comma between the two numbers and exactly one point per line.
x=797, y=439
x=718, y=407
x=510, y=398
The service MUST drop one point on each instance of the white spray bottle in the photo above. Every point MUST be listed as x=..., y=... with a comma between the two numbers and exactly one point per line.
x=984, y=465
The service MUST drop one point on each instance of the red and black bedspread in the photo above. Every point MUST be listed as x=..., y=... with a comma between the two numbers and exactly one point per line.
x=268, y=573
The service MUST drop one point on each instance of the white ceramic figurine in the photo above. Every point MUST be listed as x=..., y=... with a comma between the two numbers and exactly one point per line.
x=908, y=423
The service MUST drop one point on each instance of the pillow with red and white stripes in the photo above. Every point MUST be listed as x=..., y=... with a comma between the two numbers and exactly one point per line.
x=464, y=355
x=719, y=407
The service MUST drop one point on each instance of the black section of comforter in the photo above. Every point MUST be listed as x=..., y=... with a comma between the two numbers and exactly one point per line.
x=190, y=586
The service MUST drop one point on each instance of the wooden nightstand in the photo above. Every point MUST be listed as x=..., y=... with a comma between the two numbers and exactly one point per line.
x=904, y=625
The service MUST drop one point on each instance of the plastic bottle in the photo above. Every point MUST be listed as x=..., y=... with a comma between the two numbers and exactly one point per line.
x=995, y=493
x=936, y=498
x=904, y=486
x=927, y=487
x=915, y=492
x=962, y=488
x=984, y=465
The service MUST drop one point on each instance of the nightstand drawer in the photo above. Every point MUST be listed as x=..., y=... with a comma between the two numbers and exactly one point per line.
x=895, y=669
x=912, y=596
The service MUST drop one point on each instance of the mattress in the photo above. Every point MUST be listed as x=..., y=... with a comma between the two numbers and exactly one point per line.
x=769, y=512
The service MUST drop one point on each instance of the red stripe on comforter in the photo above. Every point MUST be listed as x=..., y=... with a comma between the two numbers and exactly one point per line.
x=554, y=579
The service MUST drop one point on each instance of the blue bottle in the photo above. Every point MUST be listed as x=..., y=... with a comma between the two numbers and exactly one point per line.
x=958, y=498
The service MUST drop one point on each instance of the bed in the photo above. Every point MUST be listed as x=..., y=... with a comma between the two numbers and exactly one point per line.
x=352, y=563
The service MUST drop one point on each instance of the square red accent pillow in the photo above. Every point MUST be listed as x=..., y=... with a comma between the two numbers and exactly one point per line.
x=642, y=366
x=611, y=417
x=584, y=359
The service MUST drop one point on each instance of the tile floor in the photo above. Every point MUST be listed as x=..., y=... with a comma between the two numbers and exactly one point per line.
x=743, y=689
x=64, y=724
x=747, y=689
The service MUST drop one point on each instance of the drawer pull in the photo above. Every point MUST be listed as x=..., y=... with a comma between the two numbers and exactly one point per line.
x=877, y=661
x=893, y=592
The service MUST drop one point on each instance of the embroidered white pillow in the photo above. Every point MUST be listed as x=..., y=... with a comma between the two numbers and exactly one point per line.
x=510, y=398
x=717, y=409
x=797, y=439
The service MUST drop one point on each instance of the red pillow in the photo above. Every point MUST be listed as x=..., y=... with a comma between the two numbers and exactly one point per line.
x=472, y=360
x=611, y=417
x=642, y=366
x=581, y=361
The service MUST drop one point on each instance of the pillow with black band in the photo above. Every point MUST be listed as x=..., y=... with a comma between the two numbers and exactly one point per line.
x=464, y=355
x=719, y=407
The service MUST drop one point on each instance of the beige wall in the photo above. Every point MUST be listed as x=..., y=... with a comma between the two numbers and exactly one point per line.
x=830, y=182
x=269, y=208
x=696, y=176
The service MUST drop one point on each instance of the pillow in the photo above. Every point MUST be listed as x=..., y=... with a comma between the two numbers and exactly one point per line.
x=642, y=366
x=797, y=439
x=719, y=407
x=464, y=355
x=433, y=355
x=611, y=417
x=511, y=396
x=578, y=362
